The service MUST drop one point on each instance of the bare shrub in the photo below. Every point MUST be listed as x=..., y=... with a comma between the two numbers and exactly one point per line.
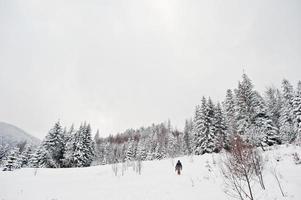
x=276, y=176
x=124, y=168
x=115, y=168
x=238, y=169
x=138, y=166
x=258, y=165
x=296, y=158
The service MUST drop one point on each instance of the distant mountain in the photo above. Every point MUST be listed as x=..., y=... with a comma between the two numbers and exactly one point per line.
x=10, y=134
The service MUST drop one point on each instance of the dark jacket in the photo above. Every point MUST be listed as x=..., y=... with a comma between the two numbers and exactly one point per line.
x=179, y=165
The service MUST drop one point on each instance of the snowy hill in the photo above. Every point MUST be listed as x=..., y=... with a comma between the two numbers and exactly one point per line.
x=12, y=135
x=201, y=179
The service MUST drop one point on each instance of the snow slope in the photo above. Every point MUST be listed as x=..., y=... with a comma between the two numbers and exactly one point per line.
x=10, y=134
x=201, y=179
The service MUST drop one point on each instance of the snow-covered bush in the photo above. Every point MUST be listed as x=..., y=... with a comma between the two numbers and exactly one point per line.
x=296, y=158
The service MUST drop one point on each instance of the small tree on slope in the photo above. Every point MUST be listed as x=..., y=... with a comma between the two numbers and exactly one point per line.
x=238, y=169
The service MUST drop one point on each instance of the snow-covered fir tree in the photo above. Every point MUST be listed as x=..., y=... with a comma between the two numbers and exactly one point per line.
x=13, y=160
x=4, y=150
x=206, y=139
x=263, y=120
x=83, y=150
x=25, y=156
x=199, y=126
x=230, y=114
x=220, y=128
x=69, y=148
x=188, y=131
x=54, y=144
x=273, y=101
x=131, y=150
x=141, y=150
x=286, y=114
x=297, y=112
x=244, y=104
x=41, y=159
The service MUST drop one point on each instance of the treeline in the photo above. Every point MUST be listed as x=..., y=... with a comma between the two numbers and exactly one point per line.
x=260, y=119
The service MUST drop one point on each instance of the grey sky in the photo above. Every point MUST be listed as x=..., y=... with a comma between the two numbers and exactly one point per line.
x=126, y=63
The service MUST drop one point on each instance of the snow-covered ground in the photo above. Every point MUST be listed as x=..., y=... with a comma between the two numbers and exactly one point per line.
x=201, y=179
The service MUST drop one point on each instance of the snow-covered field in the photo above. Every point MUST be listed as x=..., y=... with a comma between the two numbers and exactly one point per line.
x=201, y=179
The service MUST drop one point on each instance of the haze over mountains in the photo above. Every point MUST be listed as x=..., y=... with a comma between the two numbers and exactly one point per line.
x=12, y=135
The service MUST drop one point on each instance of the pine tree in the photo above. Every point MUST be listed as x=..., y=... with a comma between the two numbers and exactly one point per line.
x=54, y=144
x=25, y=156
x=171, y=146
x=205, y=132
x=188, y=129
x=244, y=104
x=69, y=149
x=262, y=130
x=130, y=154
x=199, y=126
x=41, y=159
x=286, y=115
x=220, y=128
x=84, y=147
x=13, y=160
x=210, y=139
x=141, y=150
x=4, y=149
x=230, y=113
x=273, y=101
x=297, y=112
x=89, y=145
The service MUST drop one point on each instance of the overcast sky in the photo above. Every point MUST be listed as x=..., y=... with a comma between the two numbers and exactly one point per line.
x=122, y=64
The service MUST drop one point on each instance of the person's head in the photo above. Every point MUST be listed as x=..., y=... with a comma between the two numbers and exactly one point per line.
x=178, y=161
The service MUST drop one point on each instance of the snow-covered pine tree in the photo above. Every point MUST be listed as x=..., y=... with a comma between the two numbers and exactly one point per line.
x=210, y=139
x=286, y=113
x=130, y=153
x=69, y=148
x=99, y=149
x=159, y=152
x=262, y=130
x=171, y=146
x=83, y=151
x=79, y=155
x=109, y=153
x=188, y=129
x=13, y=160
x=205, y=137
x=41, y=159
x=273, y=101
x=297, y=112
x=244, y=104
x=141, y=150
x=220, y=128
x=88, y=145
x=54, y=144
x=4, y=150
x=152, y=145
x=199, y=126
x=25, y=156
x=230, y=114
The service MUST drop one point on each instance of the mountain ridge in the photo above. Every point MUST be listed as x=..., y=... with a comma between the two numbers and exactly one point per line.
x=12, y=135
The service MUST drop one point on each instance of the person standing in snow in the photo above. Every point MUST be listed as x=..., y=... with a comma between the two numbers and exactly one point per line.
x=179, y=167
